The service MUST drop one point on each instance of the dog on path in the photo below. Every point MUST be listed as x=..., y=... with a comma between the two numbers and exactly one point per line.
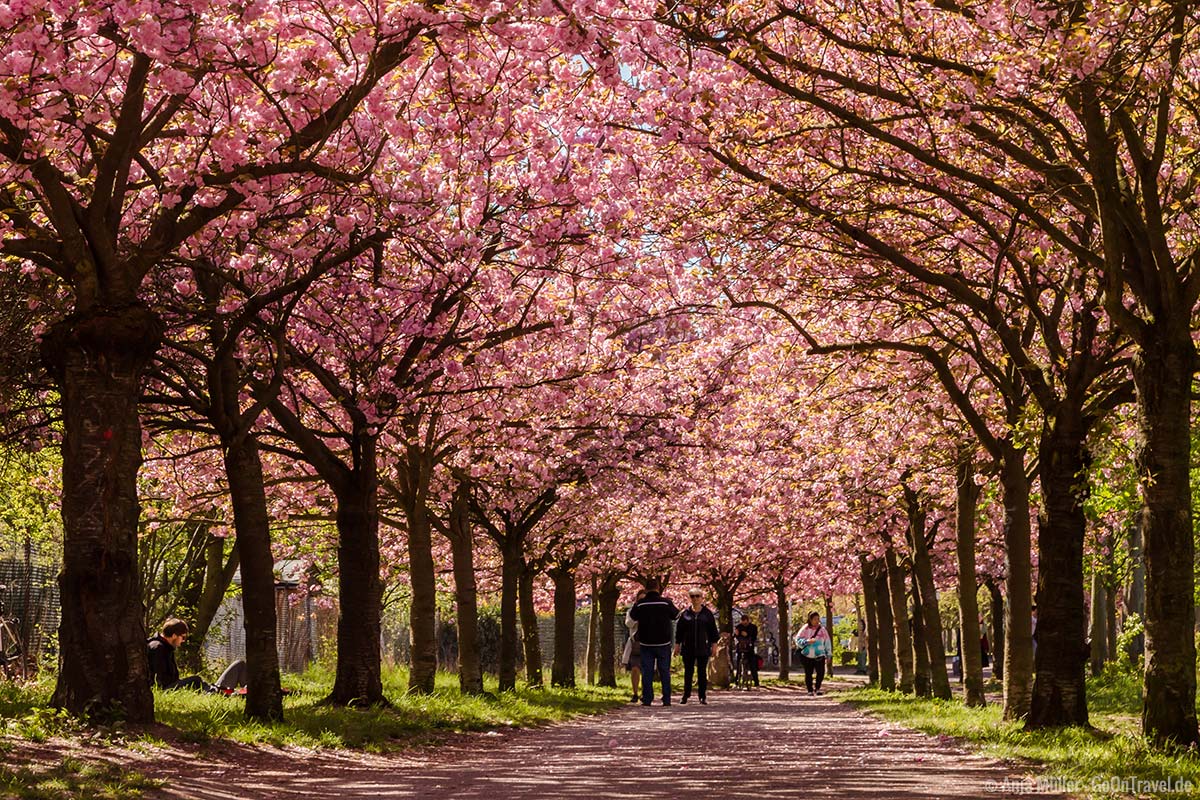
x=720, y=668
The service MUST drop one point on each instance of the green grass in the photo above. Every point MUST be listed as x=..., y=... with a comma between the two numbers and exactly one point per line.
x=25, y=713
x=410, y=719
x=74, y=779
x=1079, y=757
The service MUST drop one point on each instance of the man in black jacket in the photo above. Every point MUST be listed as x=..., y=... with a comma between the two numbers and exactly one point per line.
x=160, y=650
x=696, y=637
x=164, y=672
x=654, y=614
x=745, y=637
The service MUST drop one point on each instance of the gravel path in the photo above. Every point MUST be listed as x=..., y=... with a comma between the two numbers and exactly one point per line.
x=770, y=743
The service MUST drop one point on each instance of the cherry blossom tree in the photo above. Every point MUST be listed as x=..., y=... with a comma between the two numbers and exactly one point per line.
x=126, y=132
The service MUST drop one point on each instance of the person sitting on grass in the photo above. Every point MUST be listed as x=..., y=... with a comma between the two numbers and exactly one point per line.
x=164, y=672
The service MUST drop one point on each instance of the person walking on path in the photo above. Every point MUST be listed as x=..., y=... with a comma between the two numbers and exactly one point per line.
x=631, y=656
x=745, y=635
x=654, y=615
x=815, y=646
x=696, y=638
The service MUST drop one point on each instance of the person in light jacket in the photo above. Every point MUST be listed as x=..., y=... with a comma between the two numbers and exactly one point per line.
x=631, y=656
x=815, y=646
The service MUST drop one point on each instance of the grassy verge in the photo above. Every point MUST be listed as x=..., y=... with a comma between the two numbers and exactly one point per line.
x=24, y=713
x=1110, y=761
x=410, y=719
x=73, y=779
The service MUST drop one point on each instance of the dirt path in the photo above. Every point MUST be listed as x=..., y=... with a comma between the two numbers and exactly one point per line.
x=772, y=743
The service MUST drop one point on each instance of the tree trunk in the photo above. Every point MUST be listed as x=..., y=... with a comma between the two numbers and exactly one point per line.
x=529, y=627
x=251, y=520
x=1098, y=624
x=866, y=573
x=723, y=596
x=885, y=641
x=423, y=611
x=562, y=669
x=511, y=566
x=922, y=684
x=966, y=504
x=98, y=359
x=926, y=591
x=898, y=596
x=998, y=633
x=784, y=629
x=466, y=607
x=593, y=650
x=1162, y=372
x=360, y=595
x=252, y=527
x=610, y=593
x=1018, y=625
x=1059, y=686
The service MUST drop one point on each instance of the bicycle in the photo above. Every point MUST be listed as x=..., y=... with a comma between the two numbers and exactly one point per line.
x=743, y=676
x=12, y=653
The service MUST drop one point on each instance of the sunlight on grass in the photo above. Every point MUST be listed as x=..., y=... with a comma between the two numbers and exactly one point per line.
x=1114, y=747
x=410, y=719
x=74, y=779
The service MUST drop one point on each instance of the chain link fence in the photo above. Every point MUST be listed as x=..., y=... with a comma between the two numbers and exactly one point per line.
x=30, y=595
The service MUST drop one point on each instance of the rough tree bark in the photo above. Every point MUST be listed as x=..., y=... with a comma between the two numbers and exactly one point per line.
x=1163, y=367
x=421, y=575
x=783, y=631
x=529, y=628
x=226, y=383
x=562, y=667
x=996, y=601
x=886, y=627
x=593, y=650
x=1059, y=686
x=926, y=592
x=922, y=683
x=252, y=527
x=1018, y=619
x=358, y=679
x=966, y=504
x=867, y=576
x=609, y=594
x=512, y=563
x=466, y=605
x=98, y=358
x=723, y=592
x=898, y=596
